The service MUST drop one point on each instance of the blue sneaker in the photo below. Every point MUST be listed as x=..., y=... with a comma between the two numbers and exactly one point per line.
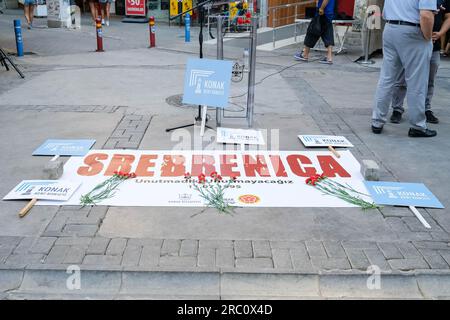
x=325, y=61
x=299, y=57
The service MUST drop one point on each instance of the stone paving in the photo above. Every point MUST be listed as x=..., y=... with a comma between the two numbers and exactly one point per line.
x=74, y=235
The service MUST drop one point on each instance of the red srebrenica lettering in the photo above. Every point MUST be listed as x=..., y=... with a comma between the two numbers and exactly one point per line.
x=173, y=166
x=227, y=163
x=202, y=164
x=297, y=164
x=120, y=162
x=228, y=166
x=255, y=165
x=331, y=167
x=145, y=163
x=94, y=166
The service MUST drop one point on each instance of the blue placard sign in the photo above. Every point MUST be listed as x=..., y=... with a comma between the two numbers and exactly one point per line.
x=62, y=147
x=402, y=194
x=207, y=82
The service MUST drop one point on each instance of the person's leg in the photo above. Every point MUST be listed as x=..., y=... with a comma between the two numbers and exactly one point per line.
x=102, y=11
x=328, y=38
x=415, y=56
x=447, y=45
x=306, y=52
x=108, y=11
x=330, y=53
x=434, y=66
x=93, y=9
x=398, y=98
x=31, y=13
x=390, y=71
x=309, y=42
x=25, y=12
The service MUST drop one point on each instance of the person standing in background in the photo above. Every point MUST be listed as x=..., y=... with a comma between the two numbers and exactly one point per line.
x=407, y=45
x=28, y=10
x=325, y=9
x=439, y=30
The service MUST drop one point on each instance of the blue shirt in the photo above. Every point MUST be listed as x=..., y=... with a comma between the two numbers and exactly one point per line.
x=407, y=10
x=329, y=9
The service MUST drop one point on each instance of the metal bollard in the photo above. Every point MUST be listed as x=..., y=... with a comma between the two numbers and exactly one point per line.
x=367, y=60
x=19, y=39
x=187, y=28
x=219, y=37
x=151, y=24
x=98, y=28
x=251, y=74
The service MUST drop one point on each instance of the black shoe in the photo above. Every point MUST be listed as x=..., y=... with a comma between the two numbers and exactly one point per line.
x=396, y=117
x=430, y=117
x=377, y=130
x=415, y=133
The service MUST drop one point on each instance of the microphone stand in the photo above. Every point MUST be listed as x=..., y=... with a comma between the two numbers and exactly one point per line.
x=200, y=7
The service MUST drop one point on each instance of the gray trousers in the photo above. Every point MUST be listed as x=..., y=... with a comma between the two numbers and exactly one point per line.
x=404, y=48
x=399, y=94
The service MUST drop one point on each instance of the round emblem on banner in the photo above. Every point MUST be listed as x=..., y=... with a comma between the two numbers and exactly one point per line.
x=249, y=199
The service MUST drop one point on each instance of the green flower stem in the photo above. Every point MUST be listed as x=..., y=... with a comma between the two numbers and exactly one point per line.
x=343, y=192
x=214, y=195
x=102, y=191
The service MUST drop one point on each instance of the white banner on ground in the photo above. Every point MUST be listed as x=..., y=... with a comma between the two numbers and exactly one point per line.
x=324, y=141
x=239, y=136
x=264, y=178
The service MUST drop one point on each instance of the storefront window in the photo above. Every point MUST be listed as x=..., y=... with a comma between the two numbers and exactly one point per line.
x=153, y=4
x=164, y=4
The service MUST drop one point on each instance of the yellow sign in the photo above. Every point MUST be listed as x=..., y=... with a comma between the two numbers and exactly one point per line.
x=187, y=4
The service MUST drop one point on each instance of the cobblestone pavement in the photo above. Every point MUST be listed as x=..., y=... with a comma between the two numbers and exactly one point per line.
x=72, y=236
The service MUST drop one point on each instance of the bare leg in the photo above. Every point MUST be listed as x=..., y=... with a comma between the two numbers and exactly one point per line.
x=330, y=53
x=108, y=10
x=306, y=51
x=25, y=12
x=31, y=12
x=103, y=10
x=93, y=9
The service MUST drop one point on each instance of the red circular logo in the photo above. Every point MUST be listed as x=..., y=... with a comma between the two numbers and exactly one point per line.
x=249, y=199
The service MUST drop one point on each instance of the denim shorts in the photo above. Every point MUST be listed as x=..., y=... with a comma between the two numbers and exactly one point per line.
x=29, y=2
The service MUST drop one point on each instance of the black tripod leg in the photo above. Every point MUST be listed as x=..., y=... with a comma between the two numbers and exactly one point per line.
x=6, y=58
x=179, y=127
x=15, y=68
x=3, y=61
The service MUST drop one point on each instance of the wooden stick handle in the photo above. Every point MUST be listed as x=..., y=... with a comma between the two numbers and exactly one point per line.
x=27, y=208
x=334, y=151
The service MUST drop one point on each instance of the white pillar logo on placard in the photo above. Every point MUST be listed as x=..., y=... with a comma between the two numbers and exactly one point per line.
x=195, y=79
x=374, y=280
x=73, y=282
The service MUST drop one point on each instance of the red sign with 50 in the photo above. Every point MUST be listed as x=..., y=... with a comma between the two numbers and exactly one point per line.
x=135, y=8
